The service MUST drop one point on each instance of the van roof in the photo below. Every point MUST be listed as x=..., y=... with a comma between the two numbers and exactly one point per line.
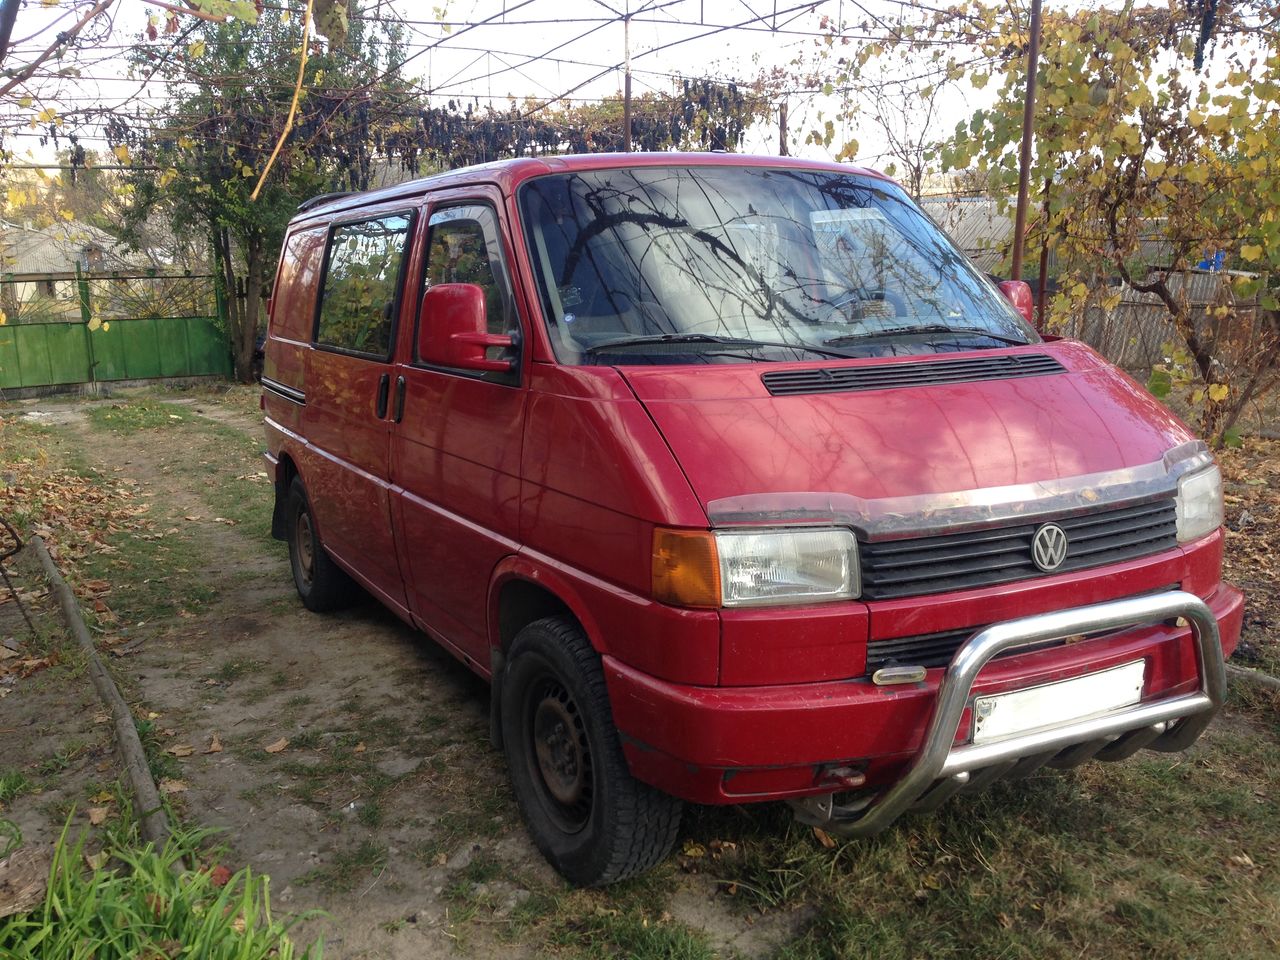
x=509, y=174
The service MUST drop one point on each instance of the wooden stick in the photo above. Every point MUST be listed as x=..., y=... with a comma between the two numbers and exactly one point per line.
x=152, y=820
x=1256, y=677
x=293, y=107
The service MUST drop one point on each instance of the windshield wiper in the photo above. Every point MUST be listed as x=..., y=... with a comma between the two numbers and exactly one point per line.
x=927, y=328
x=708, y=338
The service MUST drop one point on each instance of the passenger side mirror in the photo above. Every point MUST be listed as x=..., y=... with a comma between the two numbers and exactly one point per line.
x=454, y=332
x=1018, y=293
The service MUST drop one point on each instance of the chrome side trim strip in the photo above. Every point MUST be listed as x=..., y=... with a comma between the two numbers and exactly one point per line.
x=1181, y=719
x=285, y=391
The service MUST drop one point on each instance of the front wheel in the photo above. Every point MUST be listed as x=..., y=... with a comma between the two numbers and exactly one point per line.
x=591, y=819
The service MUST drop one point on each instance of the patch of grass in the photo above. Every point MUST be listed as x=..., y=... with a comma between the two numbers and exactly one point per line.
x=1169, y=856
x=13, y=784
x=140, y=413
x=347, y=869
x=236, y=668
x=630, y=934
x=63, y=757
x=145, y=908
x=162, y=765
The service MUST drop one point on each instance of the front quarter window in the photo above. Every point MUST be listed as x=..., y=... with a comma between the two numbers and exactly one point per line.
x=731, y=264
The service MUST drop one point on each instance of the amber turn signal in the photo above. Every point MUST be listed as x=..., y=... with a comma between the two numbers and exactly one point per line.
x=686, y=570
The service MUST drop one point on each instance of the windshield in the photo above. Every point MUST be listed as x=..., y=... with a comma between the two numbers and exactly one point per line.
x=739, y=264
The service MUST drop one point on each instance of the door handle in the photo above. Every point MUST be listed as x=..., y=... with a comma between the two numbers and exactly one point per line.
x=399, y=399
x=384, y=388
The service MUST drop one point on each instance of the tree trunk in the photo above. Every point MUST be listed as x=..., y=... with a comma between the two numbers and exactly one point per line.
x=235, y=312
x=248, y=342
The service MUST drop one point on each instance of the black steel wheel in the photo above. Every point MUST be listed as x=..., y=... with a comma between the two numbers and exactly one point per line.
x=320, y=582
x=591, y=819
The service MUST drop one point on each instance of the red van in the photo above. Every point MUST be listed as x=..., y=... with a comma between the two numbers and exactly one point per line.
x=739, y=483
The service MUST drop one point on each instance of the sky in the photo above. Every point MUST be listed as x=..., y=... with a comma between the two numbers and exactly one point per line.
x=492, y=49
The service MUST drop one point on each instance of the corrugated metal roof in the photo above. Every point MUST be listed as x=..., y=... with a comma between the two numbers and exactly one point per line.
x=975, y=225
x=58, y=247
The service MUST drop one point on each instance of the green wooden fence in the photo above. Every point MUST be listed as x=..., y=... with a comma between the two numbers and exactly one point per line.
x=56, y=352
x=49, y=354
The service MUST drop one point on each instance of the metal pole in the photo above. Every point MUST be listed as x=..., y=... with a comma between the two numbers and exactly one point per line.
x=782, y=129
x=626, y=81
x=1024, y=159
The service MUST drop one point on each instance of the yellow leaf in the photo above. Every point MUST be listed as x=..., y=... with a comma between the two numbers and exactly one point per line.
x=1195, y=118
x=94, y=323
x=277, y=746
x=66, y=215
x=1218, y=392
x=25, y=101
x=106, y=325
x=4, y=318
x=196, y=50
x=122, y=152
x=285, y=16
x=47, y=115
x=1251, y=251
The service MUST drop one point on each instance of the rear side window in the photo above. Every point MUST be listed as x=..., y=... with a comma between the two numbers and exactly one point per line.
x=362, y=284
x=293, y=301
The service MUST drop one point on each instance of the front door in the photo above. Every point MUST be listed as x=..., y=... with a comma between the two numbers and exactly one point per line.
x=456, y=447
x=349, y=383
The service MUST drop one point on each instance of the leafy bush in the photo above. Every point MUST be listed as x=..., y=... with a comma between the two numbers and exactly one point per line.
x=134, y=902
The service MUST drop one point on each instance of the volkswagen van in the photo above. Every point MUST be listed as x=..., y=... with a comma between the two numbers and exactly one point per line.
x=738, y=483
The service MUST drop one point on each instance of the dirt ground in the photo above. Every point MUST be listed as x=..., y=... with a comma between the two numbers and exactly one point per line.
x=347, y=757
x=354, y=765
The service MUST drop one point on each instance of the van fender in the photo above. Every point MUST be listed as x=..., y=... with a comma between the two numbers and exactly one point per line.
x=557, y=580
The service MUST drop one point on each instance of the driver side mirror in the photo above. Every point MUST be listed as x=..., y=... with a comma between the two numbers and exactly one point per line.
x=1018, y=293
x=454, y=331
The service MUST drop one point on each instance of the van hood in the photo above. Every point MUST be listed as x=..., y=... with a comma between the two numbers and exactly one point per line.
x=1033, y=437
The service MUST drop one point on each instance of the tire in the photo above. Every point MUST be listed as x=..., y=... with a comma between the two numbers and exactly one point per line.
x=321, y=583
x=591, y=819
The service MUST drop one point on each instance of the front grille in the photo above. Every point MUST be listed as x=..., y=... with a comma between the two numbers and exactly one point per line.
x=887, y=376
x=937, y=649
x=981, y=558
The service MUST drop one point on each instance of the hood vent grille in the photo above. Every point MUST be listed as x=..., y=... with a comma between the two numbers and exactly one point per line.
x=889, y=376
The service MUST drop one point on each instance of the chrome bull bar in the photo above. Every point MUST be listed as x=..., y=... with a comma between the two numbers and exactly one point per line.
x=942, y=768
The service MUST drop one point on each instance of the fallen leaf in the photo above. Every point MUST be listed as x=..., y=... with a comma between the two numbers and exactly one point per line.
x=824, y=838
x=96, y=861
x=219, y=876
x=359, y=747
x=181, y=750
x=192, y=519
x=277, y=746
x=694, y=849
x=98, y=815
x=215, y=745
x=168, y=786
x=106, y=796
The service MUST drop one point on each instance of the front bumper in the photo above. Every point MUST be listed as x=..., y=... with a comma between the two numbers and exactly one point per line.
x=736, y=744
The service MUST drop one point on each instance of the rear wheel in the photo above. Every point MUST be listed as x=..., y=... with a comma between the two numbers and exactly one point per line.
x=591, y=819
x=321, y=583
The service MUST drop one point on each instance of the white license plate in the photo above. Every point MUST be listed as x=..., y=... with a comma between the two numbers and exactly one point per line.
x=1054, y=704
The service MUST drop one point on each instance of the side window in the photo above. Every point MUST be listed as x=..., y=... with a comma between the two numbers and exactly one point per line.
x=463, y=247
x=357, y=308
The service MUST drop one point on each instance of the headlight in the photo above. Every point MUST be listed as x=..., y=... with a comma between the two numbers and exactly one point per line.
x=1199, y=504
x=805, y=565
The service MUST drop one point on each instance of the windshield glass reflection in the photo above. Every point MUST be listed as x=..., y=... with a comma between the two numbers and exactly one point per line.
x=737, y=264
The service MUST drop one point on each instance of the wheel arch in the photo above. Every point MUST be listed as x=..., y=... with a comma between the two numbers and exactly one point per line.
x=521, y=592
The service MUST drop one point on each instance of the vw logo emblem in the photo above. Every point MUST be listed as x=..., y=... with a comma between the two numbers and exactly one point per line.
x=1049, y=547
